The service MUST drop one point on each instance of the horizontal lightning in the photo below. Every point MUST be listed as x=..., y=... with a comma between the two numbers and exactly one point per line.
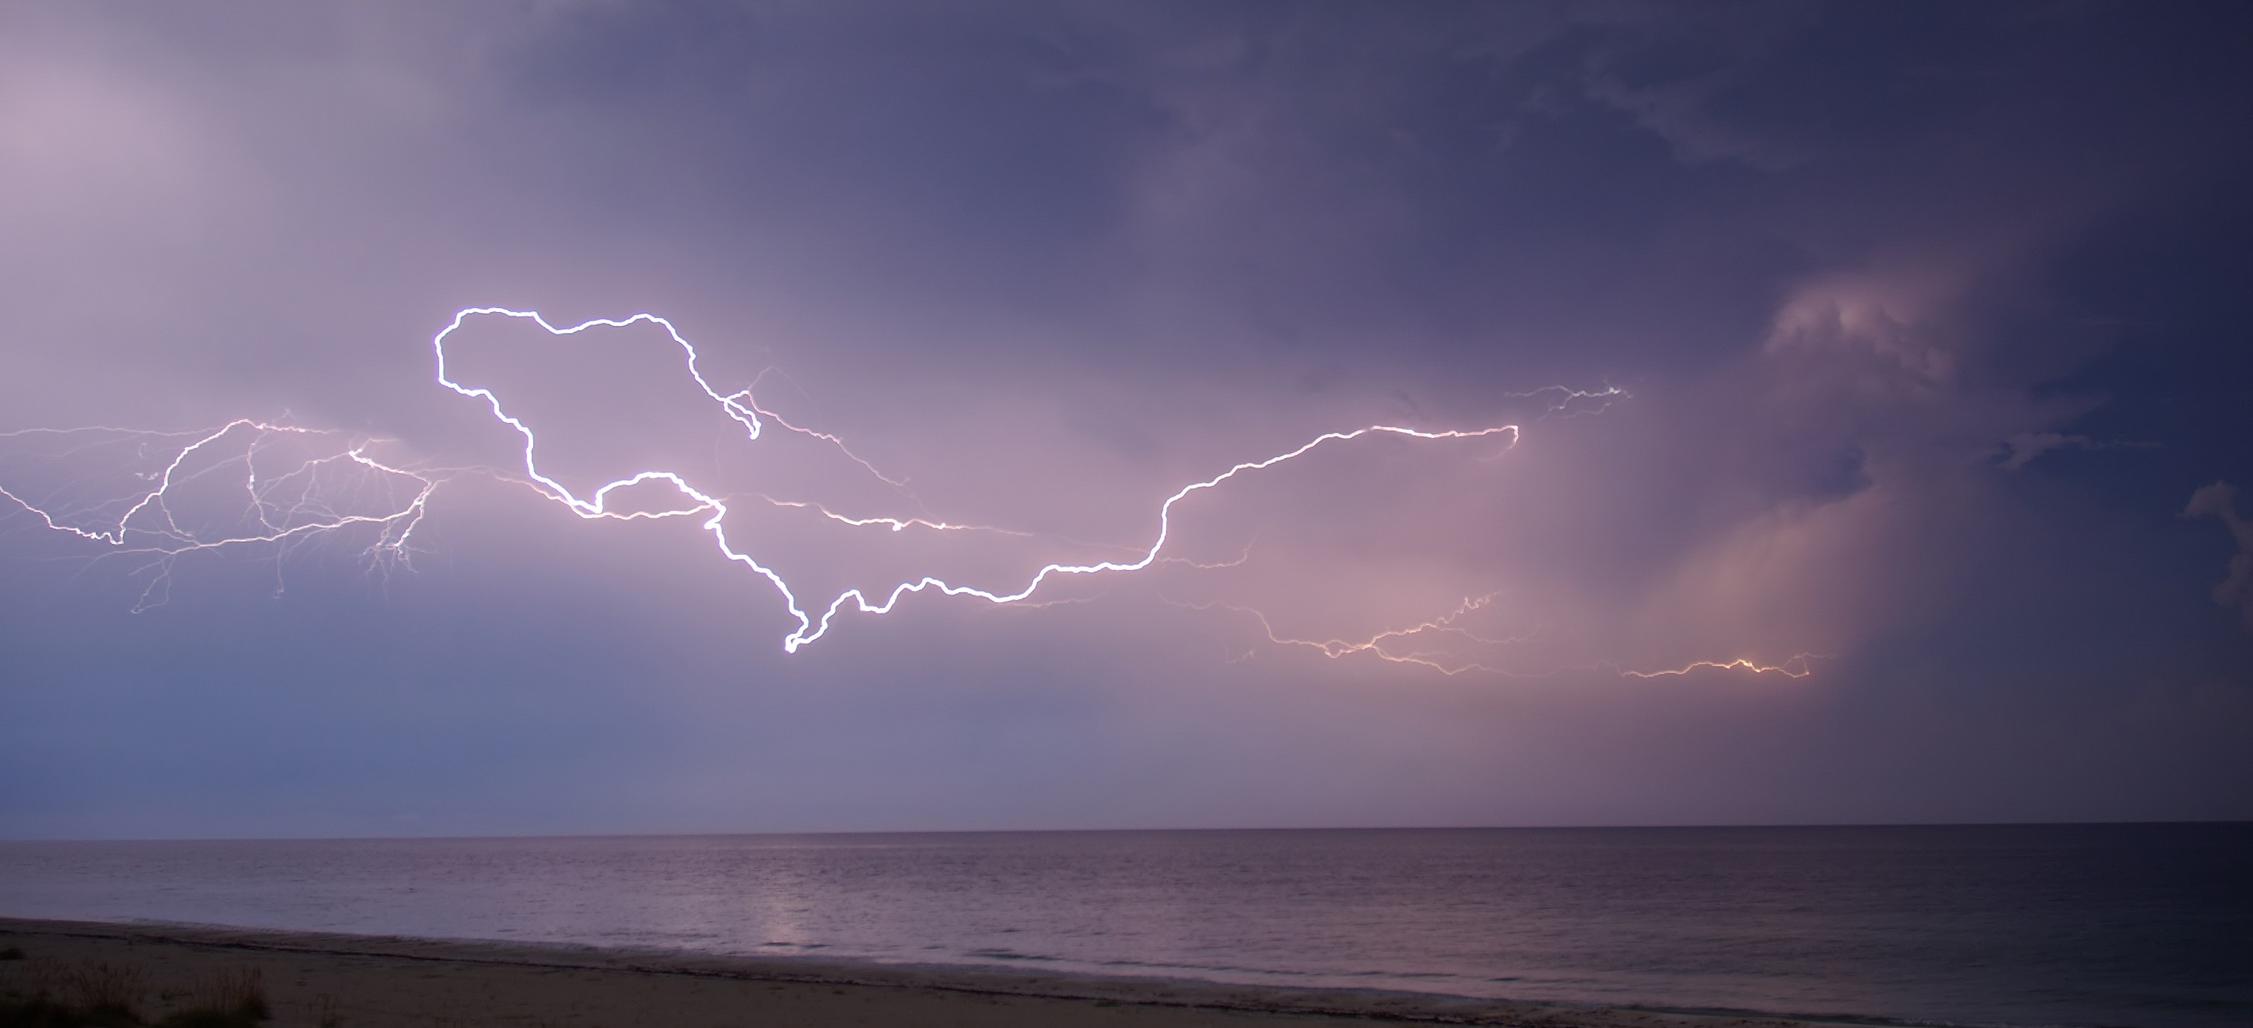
x=284, y=505
x=895, y=524
x=1798, y=665
x=746, y=398
x=810, y=627
x=148, y=527
x=1387, y=646
x=1376, y=644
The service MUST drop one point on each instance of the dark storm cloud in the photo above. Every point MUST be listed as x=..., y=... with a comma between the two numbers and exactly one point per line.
x=1926, y=314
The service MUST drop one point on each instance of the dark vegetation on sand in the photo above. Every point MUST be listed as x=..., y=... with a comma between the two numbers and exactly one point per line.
x=105, y=995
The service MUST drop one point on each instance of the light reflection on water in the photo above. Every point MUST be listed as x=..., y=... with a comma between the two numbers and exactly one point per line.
x=2097, y=924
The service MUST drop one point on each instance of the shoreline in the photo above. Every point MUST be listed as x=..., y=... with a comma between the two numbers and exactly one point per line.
x=366, y=980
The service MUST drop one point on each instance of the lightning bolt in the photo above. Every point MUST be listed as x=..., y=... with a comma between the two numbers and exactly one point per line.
x=1798, y=665
x=1385, y=644
x=148, y=527
x=714, y=509
x=895, y=524
x=285, y=506
x=1375, y=645
x=1567, y=402
x=746, y=397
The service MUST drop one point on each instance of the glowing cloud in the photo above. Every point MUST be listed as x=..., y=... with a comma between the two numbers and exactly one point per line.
x=289, y=503
x=700, y=502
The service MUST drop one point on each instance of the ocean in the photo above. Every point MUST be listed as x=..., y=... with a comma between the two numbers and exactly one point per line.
x=2146, y=925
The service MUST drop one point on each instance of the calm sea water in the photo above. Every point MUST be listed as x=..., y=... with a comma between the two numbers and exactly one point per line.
x=2018, y=925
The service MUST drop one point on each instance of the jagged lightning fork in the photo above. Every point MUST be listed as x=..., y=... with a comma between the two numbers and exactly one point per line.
x=149, y=528
x=896, y=524
x=1798, y=665
x=286, y=507
x=892, y=523
x=811, y=629
x=1375, y=645
x=751, y=401
x=1566, y=402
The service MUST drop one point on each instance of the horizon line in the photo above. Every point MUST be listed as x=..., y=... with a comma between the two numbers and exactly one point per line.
x=775, y=833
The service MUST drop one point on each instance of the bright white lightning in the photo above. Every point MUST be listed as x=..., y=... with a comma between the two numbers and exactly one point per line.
x=811, y=629
x=147, y=525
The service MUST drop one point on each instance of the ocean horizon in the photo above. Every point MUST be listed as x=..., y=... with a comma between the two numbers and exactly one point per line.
x=828, y=832
x=2009, y=925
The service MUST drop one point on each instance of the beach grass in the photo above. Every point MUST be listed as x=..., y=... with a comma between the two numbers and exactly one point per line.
x=93, y=975
x=107, y=994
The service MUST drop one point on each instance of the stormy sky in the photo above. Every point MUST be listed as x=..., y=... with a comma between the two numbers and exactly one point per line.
x=1920, y=331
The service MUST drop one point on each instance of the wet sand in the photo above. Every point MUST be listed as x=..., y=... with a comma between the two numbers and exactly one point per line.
x=377, y=982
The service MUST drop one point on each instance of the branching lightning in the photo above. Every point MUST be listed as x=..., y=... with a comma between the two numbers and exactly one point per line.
x=1798, y=665
x=810, y=628
x=1417, y=644
x=148, y=527
x=895, y=524
x=1383, y=644
x=287, y=504
x=745, y=396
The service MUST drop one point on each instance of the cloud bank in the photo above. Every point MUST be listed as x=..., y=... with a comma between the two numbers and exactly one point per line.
x=1882, y=292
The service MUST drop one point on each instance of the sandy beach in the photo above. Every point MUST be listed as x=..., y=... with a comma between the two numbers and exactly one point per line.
x=374, y=982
